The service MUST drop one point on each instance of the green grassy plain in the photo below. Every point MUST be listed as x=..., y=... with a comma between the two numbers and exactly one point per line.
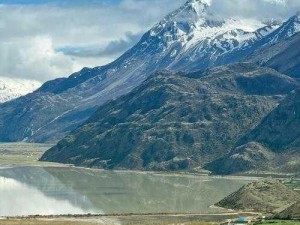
x=54, y=222
x=145, y=222
x=279, y=222
x=41, y=222
x=23, y=154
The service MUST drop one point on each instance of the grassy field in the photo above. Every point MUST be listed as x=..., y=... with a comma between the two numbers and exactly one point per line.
x=53, y=222
x=22, y=154
x=145, y=222
x=124, y=220
x=42, y=222
x=279, y=222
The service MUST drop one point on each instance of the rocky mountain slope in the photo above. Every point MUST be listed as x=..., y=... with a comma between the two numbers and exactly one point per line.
x=175, y=121
x=14, y=88
x=273, y=145
x=261, y=196
x=292, y=212
x=248, y=157
x=187, y=39
x=284, y=56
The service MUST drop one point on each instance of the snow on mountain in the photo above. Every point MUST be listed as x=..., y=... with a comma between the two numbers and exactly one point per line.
x=288, y=29
x=282, y=56
x=194, y=34
x=13, y=88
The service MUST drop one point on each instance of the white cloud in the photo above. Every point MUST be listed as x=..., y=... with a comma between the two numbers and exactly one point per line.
x=32, y=34
x=34, y=58
x=256, y=9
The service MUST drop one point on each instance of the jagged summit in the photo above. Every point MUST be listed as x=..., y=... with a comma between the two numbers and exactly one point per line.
x=192, y=15
x=288, y=29
x=294, y=21
x=183, y=20
x=194, y=33
x=192, y=7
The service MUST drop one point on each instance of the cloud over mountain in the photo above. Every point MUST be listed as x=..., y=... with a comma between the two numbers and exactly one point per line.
x=256, y=9
x=44, y=39
x=33, y=35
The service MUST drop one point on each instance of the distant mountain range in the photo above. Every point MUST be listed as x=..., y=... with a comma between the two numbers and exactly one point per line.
x=188, y=39
x=14, y=88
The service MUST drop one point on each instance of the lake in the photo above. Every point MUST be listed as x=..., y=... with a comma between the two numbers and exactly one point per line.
x=31, y=190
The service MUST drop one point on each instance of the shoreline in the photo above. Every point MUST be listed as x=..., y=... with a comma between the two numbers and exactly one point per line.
x=116, y=215
x=160, y=173
x=35, y=149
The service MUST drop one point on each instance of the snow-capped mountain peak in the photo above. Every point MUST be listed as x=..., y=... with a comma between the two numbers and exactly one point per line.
x=197, y=7
x=195, y=33
x=185, y=19
x=288, y=29
x=294, y=24
x=13, y=88
x=194, y=22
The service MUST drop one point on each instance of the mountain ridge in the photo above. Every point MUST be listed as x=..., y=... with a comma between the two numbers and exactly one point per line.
x=175, y=121
x=282, y=56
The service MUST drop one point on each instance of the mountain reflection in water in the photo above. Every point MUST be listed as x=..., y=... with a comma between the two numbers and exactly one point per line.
x=37, y=190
